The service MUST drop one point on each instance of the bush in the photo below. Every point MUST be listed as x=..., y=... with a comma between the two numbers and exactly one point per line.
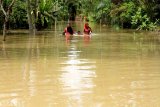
x=141, y=21
x=123, y=13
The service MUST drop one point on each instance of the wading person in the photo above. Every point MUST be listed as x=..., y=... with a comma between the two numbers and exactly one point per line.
x=87, y=33
x=87, y=30
x=68, y=32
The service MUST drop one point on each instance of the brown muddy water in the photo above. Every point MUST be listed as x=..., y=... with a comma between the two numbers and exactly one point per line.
x=112, y=69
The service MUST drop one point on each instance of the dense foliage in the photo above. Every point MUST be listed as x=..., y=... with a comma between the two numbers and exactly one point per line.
x=137, y=14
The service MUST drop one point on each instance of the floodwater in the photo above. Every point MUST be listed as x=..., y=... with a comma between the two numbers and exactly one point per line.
x=115, y=68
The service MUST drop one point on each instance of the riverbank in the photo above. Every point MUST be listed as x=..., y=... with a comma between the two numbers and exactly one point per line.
x=25, y=31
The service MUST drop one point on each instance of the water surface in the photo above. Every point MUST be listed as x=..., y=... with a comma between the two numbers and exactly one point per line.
x=112, y=69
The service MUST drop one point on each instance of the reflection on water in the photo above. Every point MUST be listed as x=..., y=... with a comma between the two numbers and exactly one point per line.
x=112, y=69
x=77, y=76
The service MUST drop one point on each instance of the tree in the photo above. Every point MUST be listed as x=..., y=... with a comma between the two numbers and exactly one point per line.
x=6, y=11
x=40, y=13
x=30, y=21
x=32, y=7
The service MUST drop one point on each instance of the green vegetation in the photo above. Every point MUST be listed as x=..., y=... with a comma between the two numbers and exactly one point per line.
x=39, y=14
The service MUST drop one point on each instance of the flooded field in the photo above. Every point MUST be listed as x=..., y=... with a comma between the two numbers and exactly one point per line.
x=111, y=69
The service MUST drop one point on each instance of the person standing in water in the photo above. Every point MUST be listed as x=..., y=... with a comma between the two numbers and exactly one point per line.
x=68, y=29
x=87, y=30
x=68, y=32
x=87, y=33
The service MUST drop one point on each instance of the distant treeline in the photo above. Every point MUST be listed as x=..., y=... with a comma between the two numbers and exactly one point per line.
x=136, y=14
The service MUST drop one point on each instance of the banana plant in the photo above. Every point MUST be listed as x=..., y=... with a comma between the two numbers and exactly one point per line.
x=48, y=11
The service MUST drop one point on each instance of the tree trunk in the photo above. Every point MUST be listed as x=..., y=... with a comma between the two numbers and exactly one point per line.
x=6, y=15
x=4, y=30
x=35, y=15
x=30, y=21
x=32, y=17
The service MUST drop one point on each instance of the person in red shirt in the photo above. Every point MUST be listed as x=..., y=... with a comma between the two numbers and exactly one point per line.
x=87, y=33
x=87, y=29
